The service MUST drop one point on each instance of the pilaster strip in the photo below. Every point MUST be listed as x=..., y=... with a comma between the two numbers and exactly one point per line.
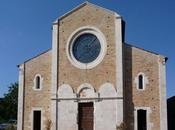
x=162, y=88
x=119, y=69
x=54, y=76
x=20, y=97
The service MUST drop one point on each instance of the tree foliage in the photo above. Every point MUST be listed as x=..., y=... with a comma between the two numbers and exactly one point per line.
x=122, y=126
x=9, y=104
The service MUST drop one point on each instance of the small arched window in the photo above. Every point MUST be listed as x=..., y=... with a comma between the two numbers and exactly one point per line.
x=140, y=83
x=38, y=82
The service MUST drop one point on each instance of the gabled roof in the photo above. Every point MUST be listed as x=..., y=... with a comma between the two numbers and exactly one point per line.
x=166, y=58
x=83, y=5
x=35, y=56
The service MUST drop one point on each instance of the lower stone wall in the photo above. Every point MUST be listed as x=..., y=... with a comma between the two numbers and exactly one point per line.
x=104, y=109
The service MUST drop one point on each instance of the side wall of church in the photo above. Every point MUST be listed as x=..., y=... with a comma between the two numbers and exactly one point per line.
x=37, y=99
x=140, y=61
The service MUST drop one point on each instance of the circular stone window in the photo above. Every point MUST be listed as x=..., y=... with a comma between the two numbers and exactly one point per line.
x=86, y=48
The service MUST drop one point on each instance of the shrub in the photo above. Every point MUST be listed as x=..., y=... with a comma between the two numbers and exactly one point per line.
x=122, y=126
x=48, y=125
x=11, y=127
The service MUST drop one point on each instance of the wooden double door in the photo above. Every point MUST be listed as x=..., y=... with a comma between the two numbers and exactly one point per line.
x=85, y=116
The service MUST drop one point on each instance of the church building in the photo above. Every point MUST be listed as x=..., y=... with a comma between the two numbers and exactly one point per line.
x=92, y=79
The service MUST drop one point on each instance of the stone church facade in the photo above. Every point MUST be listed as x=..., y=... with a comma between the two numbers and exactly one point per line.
x=91, y=79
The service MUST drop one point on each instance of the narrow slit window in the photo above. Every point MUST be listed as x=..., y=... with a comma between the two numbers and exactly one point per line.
x=140, y=81
x=38, y=80
x=141, y=120
x=37, y=120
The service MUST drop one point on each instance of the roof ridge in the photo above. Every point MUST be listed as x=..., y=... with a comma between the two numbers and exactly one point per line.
x=82, y=5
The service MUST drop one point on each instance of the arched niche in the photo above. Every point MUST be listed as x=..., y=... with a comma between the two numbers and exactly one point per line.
x=106, y=108
x=67, y=108
x=107, y=90
x=86, y=90
x=66, y=91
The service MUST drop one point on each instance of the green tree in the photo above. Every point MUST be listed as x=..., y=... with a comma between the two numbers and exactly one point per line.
x=2, y=110
x=9, y=104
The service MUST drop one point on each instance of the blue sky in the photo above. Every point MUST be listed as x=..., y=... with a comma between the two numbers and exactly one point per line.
x=25, y=30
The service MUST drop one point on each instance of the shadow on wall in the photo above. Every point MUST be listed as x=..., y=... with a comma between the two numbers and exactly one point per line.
x=128, y=93
x=171, y=113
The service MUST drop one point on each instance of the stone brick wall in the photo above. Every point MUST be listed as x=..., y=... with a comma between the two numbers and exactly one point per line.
x=105, y=71
x=37, y=99
x=137, y=60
